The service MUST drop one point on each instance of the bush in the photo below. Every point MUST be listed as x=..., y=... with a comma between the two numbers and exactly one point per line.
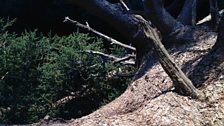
x=38, y=70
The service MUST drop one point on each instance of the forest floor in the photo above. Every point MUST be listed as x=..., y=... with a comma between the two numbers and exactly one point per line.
x=151, y=100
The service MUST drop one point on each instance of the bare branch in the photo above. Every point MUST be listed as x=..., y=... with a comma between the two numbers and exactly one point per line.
x=181, y=82
x=61, y=101
x=119, y=73
x=87, y=27
x=111, y=58
x=208, y=18
x=3, y=77
x=124, y=5
x=124, y=58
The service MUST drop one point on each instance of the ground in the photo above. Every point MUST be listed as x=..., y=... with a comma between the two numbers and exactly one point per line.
x=151, y=100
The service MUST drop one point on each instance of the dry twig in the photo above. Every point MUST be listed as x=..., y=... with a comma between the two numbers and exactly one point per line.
x=87, y=27
x=112, y=58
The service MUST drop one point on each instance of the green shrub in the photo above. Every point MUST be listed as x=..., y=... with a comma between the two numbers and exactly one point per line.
x=38, y=70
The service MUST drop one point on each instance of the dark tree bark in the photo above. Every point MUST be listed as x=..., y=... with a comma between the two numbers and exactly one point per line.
x=172, y=30
x=124, y=23
x=128, y=26
x=175, y=7
x=157, y=14
x=187, y=15
x=220, y=41
x=214, y=11
x=136, y=5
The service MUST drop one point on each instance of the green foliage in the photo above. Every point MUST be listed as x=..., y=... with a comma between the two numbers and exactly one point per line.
x=37, y=70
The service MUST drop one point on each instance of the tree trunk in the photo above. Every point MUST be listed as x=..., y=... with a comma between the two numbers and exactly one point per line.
x=124, y=23
x=214, y=11
x=188, y=14
x=175, y=7
x=149, y=99
x=173, y=32
x=156, y=12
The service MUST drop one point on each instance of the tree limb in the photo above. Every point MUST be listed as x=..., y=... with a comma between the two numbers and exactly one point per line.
x=3, y=77
x=87, y=27
x=124, y=5
x=112, y=58
x=180, y=80
x=123, y=23
x=124, y=59
x=160, y=17
x=187, y=15
x=209, y=18
x=174, y=7
x=61, y=101
x=214, y=11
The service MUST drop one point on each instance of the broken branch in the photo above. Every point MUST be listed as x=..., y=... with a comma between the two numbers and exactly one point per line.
x=112, y=58
x=124, y=5
x=87, y=27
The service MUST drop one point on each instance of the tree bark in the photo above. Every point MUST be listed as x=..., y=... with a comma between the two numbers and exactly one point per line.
x=175, y=7
x=181, y=82
x=187, y=15
x=156, y=12
x=172, y=31
x=149, y=99
x=214, y=11
x=124, y=23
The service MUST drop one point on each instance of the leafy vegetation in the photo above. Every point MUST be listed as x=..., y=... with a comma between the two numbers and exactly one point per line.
x=37, y=70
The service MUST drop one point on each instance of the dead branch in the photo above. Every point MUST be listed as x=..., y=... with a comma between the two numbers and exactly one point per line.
x=208, y=18
x=87, y=27
x=112, y=58
x=3, y=77
x=61, y=101
x=181, y=82
x=124, y=58
x=124, y=5
x=119, y=73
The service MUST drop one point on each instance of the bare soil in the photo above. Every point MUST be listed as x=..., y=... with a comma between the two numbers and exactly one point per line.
x=151, y=100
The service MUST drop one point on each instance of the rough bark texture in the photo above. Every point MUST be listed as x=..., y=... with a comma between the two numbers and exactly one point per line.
x=124, y=23
x=180, y=80
x=173, y=32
